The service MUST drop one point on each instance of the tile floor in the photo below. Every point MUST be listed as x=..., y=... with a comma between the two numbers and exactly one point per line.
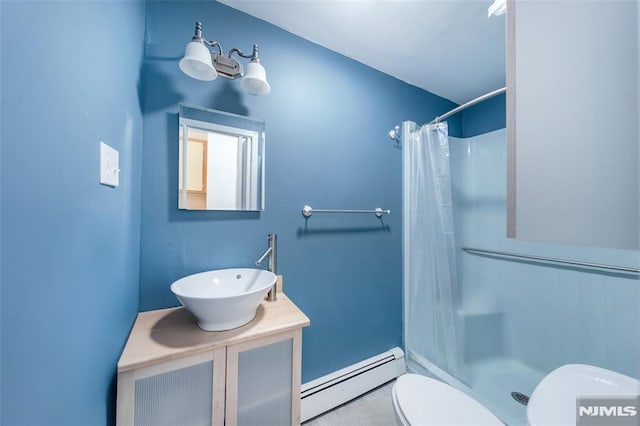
x=371, y=409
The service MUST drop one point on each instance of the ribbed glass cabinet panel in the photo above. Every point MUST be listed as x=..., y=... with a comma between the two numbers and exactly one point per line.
x=264, y=385
x=178, y=397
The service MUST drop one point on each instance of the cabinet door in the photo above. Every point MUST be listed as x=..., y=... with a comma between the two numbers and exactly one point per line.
x=187, y=391
x=572, y=121
x=263, y=381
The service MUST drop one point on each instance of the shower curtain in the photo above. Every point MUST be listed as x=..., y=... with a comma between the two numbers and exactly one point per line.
x=433, y=329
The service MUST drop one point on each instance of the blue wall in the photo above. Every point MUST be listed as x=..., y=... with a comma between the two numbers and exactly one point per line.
x=76, y=250
x=1, y=134
x=484, y=117
x=70, y=247
x=327, y=120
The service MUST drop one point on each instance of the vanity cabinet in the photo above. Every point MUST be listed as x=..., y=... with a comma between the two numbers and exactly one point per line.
x=173, y=373
x=572, y=122
x=188, y=391
x=264, y=385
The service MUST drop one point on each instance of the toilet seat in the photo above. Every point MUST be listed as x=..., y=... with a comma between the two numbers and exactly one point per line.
x=553, y=401
x=424, y=401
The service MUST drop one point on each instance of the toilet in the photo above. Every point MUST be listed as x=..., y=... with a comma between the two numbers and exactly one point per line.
x=553, y=401
x=422, y=401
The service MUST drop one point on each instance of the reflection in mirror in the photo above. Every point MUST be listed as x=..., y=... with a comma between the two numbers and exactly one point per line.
x=221, y=161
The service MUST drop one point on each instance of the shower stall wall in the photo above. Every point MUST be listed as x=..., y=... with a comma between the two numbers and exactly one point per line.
x=518, y=319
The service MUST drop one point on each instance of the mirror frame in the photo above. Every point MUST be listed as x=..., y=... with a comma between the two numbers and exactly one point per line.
x=203, y=119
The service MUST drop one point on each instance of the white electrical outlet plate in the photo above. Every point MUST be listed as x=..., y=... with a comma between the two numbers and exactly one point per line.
x=109, y=165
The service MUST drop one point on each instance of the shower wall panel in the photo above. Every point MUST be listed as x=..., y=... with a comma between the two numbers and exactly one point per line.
x=539, y=314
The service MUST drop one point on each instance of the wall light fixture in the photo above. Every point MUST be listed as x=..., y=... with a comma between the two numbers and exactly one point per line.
x=202, y=64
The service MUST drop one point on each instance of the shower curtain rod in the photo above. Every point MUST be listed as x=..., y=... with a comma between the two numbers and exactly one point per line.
x=468, y=104
x=395, y=132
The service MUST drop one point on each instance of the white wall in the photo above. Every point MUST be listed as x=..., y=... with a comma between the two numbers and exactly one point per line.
x=575, y=92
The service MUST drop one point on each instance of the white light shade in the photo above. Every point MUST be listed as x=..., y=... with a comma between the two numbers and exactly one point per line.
x=255, y=80
x=197, y=62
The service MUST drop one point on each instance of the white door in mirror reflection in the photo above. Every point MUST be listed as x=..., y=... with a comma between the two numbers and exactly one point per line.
x=226, y=160
x=218, y=167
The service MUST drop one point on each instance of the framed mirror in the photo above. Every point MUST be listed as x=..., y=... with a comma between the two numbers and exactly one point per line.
x=220, y=160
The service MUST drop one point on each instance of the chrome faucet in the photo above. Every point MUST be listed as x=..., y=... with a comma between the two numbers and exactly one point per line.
x=272, y=253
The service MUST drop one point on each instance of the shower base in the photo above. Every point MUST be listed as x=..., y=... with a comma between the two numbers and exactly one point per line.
x=491, y=382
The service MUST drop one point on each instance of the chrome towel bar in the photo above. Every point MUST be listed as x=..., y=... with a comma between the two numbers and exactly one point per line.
x=614, y=268
x=307, y=211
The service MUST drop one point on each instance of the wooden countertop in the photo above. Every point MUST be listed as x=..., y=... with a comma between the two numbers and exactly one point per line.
x=172, y=333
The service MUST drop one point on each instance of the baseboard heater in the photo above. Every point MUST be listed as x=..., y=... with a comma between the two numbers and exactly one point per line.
x=327, y=392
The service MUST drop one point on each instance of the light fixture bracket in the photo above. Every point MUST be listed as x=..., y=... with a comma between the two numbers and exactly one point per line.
x=226, y=66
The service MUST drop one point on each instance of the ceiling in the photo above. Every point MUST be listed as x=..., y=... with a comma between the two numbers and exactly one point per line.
x=448, y=47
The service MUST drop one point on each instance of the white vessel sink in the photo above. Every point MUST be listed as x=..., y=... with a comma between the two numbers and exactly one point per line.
x=553, y=401
x=223, y=299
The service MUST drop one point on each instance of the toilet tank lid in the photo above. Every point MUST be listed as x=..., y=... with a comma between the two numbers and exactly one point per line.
x=428, y=401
